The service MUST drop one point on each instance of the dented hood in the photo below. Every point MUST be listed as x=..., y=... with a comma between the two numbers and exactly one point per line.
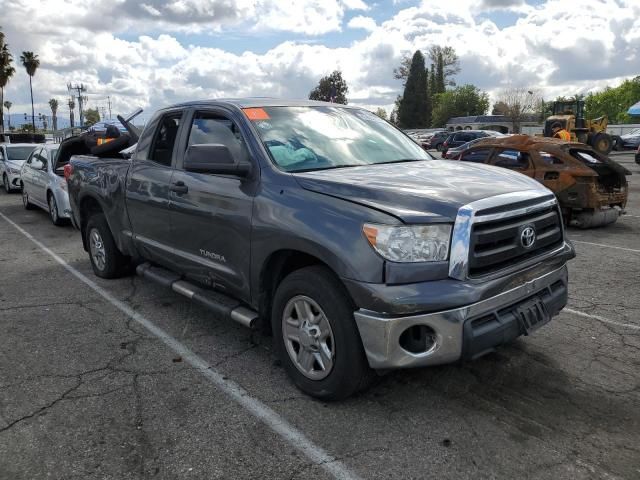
x=417, y=191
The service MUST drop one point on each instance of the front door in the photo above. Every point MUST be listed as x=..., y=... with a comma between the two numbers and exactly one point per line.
x=211, y=216
x=39, y=178
x=148, y=189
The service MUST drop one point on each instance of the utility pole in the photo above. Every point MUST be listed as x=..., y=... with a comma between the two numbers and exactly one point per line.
x=109, y=103
x=79, y=88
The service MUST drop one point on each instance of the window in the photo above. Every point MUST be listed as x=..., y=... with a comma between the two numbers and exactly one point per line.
x=322, y=137
x=550, y=159
x=586, y=157
x=463, y=137
x=42, y=156
x=214, y=129
x=512, y=159
x=1, y=155
x=162, y=150
x=477, y=156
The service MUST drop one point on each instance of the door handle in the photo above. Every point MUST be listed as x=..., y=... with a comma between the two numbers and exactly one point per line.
x=179, y=187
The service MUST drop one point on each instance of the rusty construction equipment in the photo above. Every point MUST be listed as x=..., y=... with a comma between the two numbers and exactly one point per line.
x=591, y=188
x=570, y=115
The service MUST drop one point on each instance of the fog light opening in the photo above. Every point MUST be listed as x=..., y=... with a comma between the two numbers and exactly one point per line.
x=418, y=339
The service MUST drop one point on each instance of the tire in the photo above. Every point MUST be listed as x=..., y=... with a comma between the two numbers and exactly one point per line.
x=319, y=295
x=439, y=147
x=617, y=143
x=25, y=201
x=106, y=260
x=53, y=211
x=601, y=143
x=5, y=183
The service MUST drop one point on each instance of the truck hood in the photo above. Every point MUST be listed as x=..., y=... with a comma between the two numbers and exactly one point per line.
x=420, y=191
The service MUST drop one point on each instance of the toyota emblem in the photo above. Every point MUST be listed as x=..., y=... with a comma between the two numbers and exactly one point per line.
x=528, y=237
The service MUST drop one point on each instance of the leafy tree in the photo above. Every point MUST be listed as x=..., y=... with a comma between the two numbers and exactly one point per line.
x=31, y=63
x=402, y=72
x=447, y=65
x=7, y=104
x=499, y=108
x=53, y=103
x=519, y=101
x=614, y=102
x=331, y=88
x=460, y=101
x=91, y=116
x=412, y=112
x=381, y=112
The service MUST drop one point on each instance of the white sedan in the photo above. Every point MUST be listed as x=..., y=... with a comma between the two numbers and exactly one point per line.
x=12, y=157
x=44, y=185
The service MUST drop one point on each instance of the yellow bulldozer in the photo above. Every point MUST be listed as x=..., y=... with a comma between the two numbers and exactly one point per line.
x=570, y=115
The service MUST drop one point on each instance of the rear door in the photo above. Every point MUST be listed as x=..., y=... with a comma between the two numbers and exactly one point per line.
x=148, y=181
x=211, y=214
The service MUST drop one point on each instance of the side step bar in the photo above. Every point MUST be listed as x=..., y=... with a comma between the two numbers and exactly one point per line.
x=217, y=302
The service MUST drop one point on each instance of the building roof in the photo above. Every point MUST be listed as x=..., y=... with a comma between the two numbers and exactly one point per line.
x=489, y=119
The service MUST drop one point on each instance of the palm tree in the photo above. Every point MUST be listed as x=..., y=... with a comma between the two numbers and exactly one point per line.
x=6, y=72
x=72, y=105
x=8, y=105
x=31, y=63
x=53, y=103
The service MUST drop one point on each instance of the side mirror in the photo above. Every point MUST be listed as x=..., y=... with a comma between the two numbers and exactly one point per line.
x=214, y=158
x=37, y=164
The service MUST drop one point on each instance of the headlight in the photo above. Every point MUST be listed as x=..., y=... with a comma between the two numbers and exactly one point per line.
x=415, y=243
x=14, y=171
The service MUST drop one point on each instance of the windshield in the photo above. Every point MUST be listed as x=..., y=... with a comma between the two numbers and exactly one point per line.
x=19, y=153
x=317, y=138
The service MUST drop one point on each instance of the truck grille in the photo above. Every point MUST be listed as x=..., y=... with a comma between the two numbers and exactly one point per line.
x=496, y=244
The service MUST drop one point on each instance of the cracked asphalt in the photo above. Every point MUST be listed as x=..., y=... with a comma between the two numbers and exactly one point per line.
x=85, y=392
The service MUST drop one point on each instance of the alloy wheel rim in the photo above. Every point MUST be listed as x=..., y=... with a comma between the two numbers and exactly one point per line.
x=308, y=337
x=53, y=211
x=98, y=253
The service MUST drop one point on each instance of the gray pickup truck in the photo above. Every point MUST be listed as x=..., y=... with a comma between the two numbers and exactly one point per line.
x=357, y=249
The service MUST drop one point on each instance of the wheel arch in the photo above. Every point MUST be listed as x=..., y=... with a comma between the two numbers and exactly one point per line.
x=88, y=206
x=276, y=267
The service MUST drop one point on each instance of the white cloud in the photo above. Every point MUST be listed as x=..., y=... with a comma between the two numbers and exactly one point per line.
x=557, y=50
x=365, y=23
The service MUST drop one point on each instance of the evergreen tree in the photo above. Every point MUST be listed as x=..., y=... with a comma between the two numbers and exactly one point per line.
x=413, y=106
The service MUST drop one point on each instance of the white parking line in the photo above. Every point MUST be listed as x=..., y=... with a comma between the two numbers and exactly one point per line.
x=288, y=432
x=601, y=319
x=607, y=246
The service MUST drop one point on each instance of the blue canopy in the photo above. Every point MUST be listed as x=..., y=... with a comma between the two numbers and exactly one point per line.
x=634, y=109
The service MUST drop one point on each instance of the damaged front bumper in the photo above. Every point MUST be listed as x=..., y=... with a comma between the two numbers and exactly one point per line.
x=460, y=333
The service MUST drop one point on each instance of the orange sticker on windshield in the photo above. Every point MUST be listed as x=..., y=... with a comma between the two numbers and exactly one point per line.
x=256, y=113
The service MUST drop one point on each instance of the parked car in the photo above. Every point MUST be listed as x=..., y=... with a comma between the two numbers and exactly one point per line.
x=454, y=153
x=631, y=140
x=438, y=139
x=357, y=248
x=44, y=185
x=459, y=138
x=592, y=188
x=12, y=157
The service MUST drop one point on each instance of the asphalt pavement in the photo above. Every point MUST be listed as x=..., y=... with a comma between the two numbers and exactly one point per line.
x=123, y=379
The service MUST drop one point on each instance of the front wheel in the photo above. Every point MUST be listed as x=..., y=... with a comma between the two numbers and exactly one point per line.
x=316, y=337
x=106, y=260
x=439, y=147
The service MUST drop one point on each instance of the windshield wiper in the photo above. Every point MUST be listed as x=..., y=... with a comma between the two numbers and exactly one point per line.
x=402, y=160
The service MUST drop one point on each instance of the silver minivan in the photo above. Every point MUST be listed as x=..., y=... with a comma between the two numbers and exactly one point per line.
x=44, y=186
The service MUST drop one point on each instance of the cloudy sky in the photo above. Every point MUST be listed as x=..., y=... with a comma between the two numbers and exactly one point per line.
x=156, y=52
